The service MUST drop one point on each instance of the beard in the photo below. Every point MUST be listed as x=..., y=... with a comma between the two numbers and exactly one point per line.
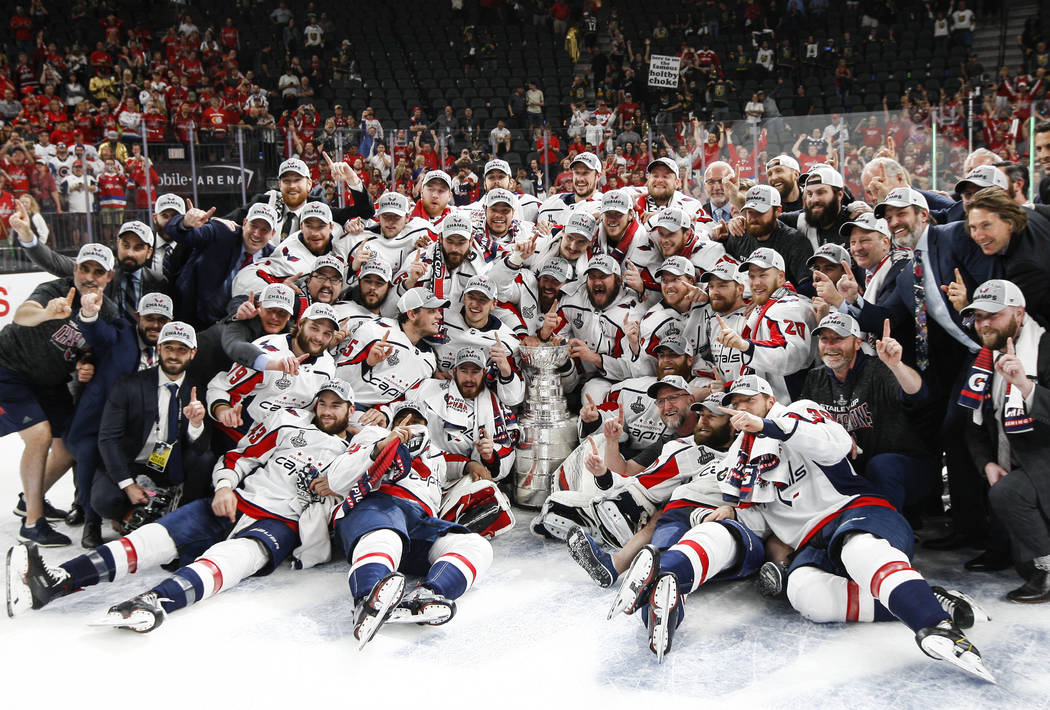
x=174, y=368
x=996, y=339
x=718, y=438
x=827, y=217
x=336, y=427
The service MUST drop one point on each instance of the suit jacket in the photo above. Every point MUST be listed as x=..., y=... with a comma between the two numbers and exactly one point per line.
x=201, y=291
x=1026, y=262
x=62, y=265
x=710, y=209
x=130, y=414
x=1030, y=449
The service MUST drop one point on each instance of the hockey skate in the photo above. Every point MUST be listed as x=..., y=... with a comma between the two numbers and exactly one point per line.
x=31, y=583
x=141, y=614
x=594, y=560
x=423, y=606
x=664, y=614
x=772, y=579
x=373, y=611
x=962, y=607
x=945, y=642
x=619, y=517
x=636, y=582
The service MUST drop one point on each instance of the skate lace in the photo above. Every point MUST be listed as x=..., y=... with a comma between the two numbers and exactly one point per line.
x=151, y=599
x=56, y=576
x=948, y=602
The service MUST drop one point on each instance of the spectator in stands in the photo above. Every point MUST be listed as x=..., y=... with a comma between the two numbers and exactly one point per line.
x=534, y=102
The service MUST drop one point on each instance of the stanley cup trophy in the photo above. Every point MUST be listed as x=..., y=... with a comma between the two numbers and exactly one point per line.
x=548, y=431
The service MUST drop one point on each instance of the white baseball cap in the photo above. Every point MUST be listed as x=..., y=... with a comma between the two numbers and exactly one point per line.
x=672, y=219
x=676, y=381
x=140, y=230
x=317, y=209
x=320, y=311
x=499, y=195
x=984, y=176
x=842, y=324
x=393, y=203
x=995, y=295
x=169, y=201
x=497, y=164
x=762, y=198
x=868, y=221
x=178, y=332
x=379, y=267
x=834, y=253
x=278, y=296
x=264, y=212
x=712, y=402
x=470, y=355
x=437, y=175
x=331, y=262
x=99, y=253
x=677, y=265
x=666, y=162
x=783, y=160
x=673, y=342
x=156, y=304
x=581, y=223
x=557, y=268
x=420, y=297
x=616, y=201
x=457, y=223
x=589, y=160
x=765, y=258
x=396, y=408
x=901, y=197
x=604, y=263
x=824, y=175
x=293, y=165
x=482, y=285
x=341, y=388
x=726, y=270
x=747, y=385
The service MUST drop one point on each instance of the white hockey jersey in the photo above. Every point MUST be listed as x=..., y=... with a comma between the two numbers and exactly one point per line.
x=404, y=368
x=558, y=208
x=527, y=210
x=456, y=334
x=680, y=460
x=703, y=490
x=602, y=331
x=422, y=483
x=782, y=347
x=257, y=276
x=701, y=333
x=679, y=200
x=396, y=251
x=439, y=278
x=294, y=249
x=517, y=298
x=261, y=393
x=658, y=323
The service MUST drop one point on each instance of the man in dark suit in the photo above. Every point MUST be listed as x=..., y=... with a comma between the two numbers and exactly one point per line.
x=154, y=430
x=131, y=280
x=1010, y=400
x=935, y=341
x=118, y=348
x=219, y=250
x=294, y=180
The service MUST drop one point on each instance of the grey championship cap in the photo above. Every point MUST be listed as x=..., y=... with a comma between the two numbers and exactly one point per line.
x=278, y=296
x=470, y=355
x=868, y=221
x=499, y=195
x=983, y=176
x=396, y=408
x=765, y=258
x=616, y=201
x=672, y=219
x=834, y=253
x=169, y=201
x=676, y=381
x=785, y=161
x=712, y=402
x=497, y=164
x=327, y=261
x=140, y=230
x=481, y=285
x=589, y=160
x=178, y=332
x=675, y=343
x=604, y=263
x=901, y=197
x=676, y=265
x=995, y=295
x=156, y=304
x=557, y=268
x=264, y=212
x=437, y=175
x=581, y=223
x=379, y=267
x=666, y=162
x=420, y=297
x=293, y=165
x=320, y=311
x=842, y=324
x=726, y=270
x=99, y=253
x=393, y=203
x=318, y=210
x=341, y=388
x=456, y=224
x=762, y=198
x=748, y=385
x=824, y=175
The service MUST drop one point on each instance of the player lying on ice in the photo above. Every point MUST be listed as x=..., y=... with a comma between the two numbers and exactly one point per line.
x=273, y=495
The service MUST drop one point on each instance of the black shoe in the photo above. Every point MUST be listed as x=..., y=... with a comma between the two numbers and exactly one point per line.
x=51, y=513
x=92, y=536
x=1035, y=591
x=951, y=541
x=988, y=561
x=76, y=515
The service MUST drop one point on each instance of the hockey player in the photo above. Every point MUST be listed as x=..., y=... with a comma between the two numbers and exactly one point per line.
x=394, y=530
x=572, y=243
x=524, y=298
x=435, y=196
x=498, y=229
x=671, y=233
x=782, y=173
x=620, y=233
x=725, y=300
x=777, y=340
x=314, y=237
x=596, y=319
x=387, y=238
x=586, y=170
x=384, y=359
x=271, y=493
x=791, y=475
x=498, y=175
x=239, y=398
x=448, y=264
x=663, y=189
x=677, y=279
x=371, y=297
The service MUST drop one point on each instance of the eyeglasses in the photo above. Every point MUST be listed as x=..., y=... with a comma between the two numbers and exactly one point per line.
x=670, y=398
x=328, y=279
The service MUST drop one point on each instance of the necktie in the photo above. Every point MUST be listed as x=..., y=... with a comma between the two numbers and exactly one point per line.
x=148, y=352
x=289, y=224
x=174, y=468
x=922, y=341
x=246, y=261
x=130, y=303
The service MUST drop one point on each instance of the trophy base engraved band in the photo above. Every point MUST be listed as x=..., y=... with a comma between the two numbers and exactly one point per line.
x=547, y=430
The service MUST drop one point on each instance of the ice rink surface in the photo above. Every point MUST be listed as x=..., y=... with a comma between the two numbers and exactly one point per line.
x=532, y=633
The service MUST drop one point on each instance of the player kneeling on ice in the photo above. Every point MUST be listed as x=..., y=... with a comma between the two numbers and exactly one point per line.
x=394, y=528
x=790, y=475
x=271, y=493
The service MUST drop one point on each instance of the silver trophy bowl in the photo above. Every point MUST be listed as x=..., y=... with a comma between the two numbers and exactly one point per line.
x=543, y=357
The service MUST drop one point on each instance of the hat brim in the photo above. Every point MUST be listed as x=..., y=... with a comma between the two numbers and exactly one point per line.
x=760, y=264
x=655, y=387
x=435, y=302
x=984, y=307
x=837, y=330
x=710, y=406
x=746, y=391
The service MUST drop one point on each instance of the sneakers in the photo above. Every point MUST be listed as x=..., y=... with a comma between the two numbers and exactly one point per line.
x=594, y=560
x=962, y=608
x=772, y=579
x=665, y=613
x=43, y=535
x=141, y=614
x=636, y=582
x=51, y=513
x=945, y=642
x=423, y=606
x=373, y=611
x=31, y=583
